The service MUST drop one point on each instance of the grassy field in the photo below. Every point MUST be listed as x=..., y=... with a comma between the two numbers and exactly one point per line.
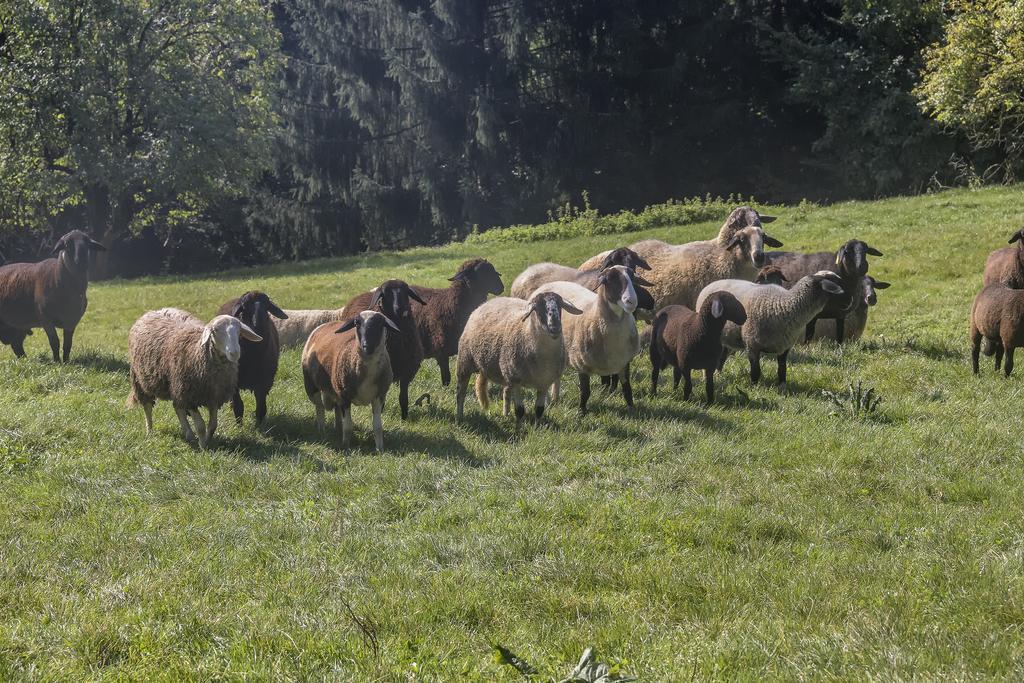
x=769, y=536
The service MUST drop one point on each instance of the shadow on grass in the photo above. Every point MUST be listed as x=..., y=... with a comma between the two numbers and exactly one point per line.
x=929, y=349
x=247, y=442
x=102, y=361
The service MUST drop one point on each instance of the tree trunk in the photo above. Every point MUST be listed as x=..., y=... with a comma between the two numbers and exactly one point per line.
x=97, y=204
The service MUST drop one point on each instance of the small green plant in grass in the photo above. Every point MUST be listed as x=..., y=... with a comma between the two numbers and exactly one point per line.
x=588, y=670
x=856, y=400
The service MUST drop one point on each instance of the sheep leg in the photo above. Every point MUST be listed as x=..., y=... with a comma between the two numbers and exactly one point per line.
x=725, y=357
x=542, y=395
x=69, y=336
x=1008, y=367
x=677, y=374
x=403, y=398
x=51, y=334
x=556, y=390
x=186, y=428
x=19, y=347
x=147, y=408
x=446, y=372
x=584, y=392
x=999, y=355
x=709, y=385
x=238, y=408
x=211, y=426
x=517, y=399
x=346, y=424
x=809, y=332
x=755, y=366
x=204, y=437
x=378, y=425
x=460, y=396
x=975, y=348
x=627, y=387
x=261, y=407
x=782, y=368
x=840, y=329
x=687, y=384
x=654, y=376
x=506, y=400
x=318, y=403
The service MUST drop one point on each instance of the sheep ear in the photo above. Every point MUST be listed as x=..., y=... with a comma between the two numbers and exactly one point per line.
x=641, y=263
x=717, y=309
x=347, y=326
x=1015, y=237
x=207, y=336
x=872, y=251
x=237, y=313
x=841, y=254
x=878, y=284
x=783, y=278
x=734, y=242
x=766, y=219
x=96, y=246
x=607, y=262
x=831, y=287
x=637, y=280
x=568, y=307
x=57, y=248
x=375, y=299
x=529, y=311
x=275, y=311
x=248, y=333
x=771, y=241
x=457, y=277
x=390, y=323
x=414, y=296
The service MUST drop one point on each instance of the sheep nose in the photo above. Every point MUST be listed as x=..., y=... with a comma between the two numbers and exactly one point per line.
x=759, y=259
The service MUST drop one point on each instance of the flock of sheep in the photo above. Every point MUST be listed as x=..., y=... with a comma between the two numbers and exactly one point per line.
x=703, y=300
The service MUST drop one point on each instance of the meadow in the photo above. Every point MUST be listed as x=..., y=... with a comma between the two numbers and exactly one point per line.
x=768, y=536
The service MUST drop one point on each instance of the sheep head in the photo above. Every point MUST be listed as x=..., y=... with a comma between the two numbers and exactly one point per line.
x=74, y=249
x=750, y=242
x=616, y=286
x=392, y=299
x=852, y=258
x=548, y=307
x=252, y=308
x=624, y=256
x=370, y=327
x=479, y=274
x=868, y=287
x=223, y=333
x=771, y=275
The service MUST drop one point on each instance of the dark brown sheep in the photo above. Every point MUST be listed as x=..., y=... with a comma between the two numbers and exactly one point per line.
x=770, y=275
x=1006, y=265
x=689, y=340
x=405, y=350
x=441, y=320
x=49, y=294
x=257, y=365
x=997, y=316
x=850, y=263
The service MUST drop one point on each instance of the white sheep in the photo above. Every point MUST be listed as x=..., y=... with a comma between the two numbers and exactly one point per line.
x=776, y=317
x=517, y=344
x=347, y=363
x=175, y=357
x=603, y=339
x=296, y=328
x=680, y=272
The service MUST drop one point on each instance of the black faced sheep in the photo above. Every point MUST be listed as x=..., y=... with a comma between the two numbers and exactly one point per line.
x=515, y=343
x=1006, y=265
x=49, y=294
x=405, y=350
x=257, y=366
x=689, y=340
x=347, y=363
x=175, y=357
x=857, y=319
x=441, y=320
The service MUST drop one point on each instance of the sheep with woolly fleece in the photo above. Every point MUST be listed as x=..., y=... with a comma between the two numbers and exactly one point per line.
x=539, y=274
x=680, y=272
x=997, y=316
x=346, y=364
x=300, y=323
x=776, y=316
x=1006, y=265
x=602, y=340
x=173, y=356
x=517, y=344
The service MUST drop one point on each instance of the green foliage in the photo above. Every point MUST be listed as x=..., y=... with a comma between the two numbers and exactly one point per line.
x=134, y=109
x=973, y=81
x=855, y=401
x=568, y=221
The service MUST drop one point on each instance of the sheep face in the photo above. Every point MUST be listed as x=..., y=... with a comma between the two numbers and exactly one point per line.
x=726, y=307
x=370, y=330
x=548, y=307
x=617, y=286
x=852, y=257
x=392, y=298
x=744, y=215
x=480, y=274
x=75, y=248
x=868, y=286
x=624, y=256
x=253, y=309
x=770, y=275
x=223, y=333
x=751, y=241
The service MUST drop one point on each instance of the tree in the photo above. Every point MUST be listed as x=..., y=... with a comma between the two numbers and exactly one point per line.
x=133, y=109
x=974, y=81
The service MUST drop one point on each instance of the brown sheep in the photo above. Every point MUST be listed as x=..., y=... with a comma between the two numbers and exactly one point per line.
x=347, y=363
x=1006, y=265
x=257, y=366
x=49, y=294
x=997, y=316
x=405, y=350
x=440, y=322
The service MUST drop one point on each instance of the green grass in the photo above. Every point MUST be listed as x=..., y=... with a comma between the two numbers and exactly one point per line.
x=769, y=536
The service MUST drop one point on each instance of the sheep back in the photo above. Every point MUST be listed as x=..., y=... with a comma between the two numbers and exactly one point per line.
x=1005, y=266
x=44, y=294
x=295, y=330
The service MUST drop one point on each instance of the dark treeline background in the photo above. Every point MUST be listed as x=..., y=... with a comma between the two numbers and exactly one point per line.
x=405, y=122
